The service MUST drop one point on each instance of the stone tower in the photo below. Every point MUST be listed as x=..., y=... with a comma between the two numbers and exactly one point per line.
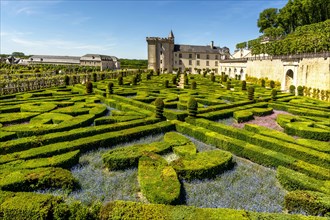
x=160, y=53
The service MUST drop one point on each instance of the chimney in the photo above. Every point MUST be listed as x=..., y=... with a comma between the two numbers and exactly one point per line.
x=212, y=44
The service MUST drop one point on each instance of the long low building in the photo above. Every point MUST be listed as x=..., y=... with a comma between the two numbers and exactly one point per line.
x=97, y=60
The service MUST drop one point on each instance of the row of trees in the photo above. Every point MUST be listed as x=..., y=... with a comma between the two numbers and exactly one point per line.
x=275, y=22
x=305, y=39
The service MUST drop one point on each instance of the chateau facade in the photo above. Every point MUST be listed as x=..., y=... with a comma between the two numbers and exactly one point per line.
x=165, y=56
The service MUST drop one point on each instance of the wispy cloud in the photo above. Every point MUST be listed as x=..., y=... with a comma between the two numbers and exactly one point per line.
x=26, y=10
x=80, y=20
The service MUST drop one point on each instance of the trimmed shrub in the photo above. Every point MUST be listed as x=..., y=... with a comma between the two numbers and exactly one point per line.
x=39, y=178
x=159, y=103
x=243, y=85
x=228, y=85
x=242, y=116
x=67, y=80
x=313, y=203
x=166, y=83
x=274, y=94
x=192, y=107
x=212, y=78
x=29, y=206
x=159, y=182
x=203, y=165
x=188, y=149
x=251, y=93
x=174, y=79
x=263, y=83
x=120, y=81
x=292, y=89
x=308, y=130
x=134, y=80
x=110, y=87
x=89, y=87
x=300, y=91
x=94, y=77
x=272, y=84
x=292, y=180
x=186, y=80
x=127, y=157
x=176, y=139
x=193, y=85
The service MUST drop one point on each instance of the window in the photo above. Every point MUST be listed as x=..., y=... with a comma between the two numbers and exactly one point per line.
x=175, y=62
x=161, y=61
x=207, y=63
x=180, y=62
x=216, y=63
x=180, y=55
x=216, y=57
x=161, y=52
x=198, y=63
x=190, y=62
x=190, y=56
x=198, y=56
x=207, y=56
x=176, y=54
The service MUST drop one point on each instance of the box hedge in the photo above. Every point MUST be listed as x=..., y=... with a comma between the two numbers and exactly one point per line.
x=159, y=181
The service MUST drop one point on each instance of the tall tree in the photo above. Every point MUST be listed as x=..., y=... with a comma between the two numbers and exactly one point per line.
x=267, y=19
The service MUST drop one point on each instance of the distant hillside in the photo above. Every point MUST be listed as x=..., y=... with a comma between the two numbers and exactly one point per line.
x=133, y=64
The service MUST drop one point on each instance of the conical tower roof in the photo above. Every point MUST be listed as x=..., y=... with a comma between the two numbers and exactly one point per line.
x=171, y=35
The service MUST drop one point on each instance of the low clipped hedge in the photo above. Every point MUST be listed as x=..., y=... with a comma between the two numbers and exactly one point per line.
x=300, y=152
x=313, y=144
x=126, y=157
x=159, y=182
x=203, y=165
x=26, y=205
x=135, y=210
x=242, y=116
x=39, y=178
x=176, y=139
x=308, y=130
x=252, y=152
x=115, y=119
x=313, y=203
x=292, y=180
x=66, y=160
x=5, y=135
x=27, y=130
x=185, y=150
x=262, y=111
x=34, y=141
x=18, y=117
x=37, y=107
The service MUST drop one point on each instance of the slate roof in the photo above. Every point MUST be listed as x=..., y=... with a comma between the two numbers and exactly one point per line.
x=54, y=59
x=96, y=57
x=198, y=49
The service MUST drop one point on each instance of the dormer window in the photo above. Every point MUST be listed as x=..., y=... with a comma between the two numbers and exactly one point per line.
x=93, y=57
x=41, y=59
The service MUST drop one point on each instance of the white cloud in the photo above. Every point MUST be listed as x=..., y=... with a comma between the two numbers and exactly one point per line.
x=26, y=10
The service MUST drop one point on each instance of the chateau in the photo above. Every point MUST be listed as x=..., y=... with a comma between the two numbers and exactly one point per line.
x=165, y=56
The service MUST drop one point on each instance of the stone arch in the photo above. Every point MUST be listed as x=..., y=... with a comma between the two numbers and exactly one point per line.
x=289, y=78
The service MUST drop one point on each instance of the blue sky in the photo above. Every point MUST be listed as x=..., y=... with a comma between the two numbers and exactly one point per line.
x=119, y=28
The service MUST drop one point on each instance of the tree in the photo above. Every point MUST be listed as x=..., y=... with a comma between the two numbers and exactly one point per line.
x=120, y=81
x=267, y=19
x=292, y=89
x=251, y=93
x=18, y=54
x=274, y=94
x=89, y=87
x=166, y=83
x=193, y=85
x=243, y=85
x=110, y=88
x=192, y=107
x=159, y=103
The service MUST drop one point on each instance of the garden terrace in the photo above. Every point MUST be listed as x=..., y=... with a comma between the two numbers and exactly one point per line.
x=67, y=152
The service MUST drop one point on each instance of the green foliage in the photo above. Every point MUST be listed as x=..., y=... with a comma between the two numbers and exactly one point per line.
x=292, y=89
x=67, y=80
x=300, y=91
x=274, y=94
x=159, y=103
x=272, y=84
x=176, y=139
x=159, y=182
x=212, y=78
x=94, y=77
x=263, y=83
x=243, y=85
x=166, y=83
x=203, y=165
x=251, y=93
x=89, y=87
x=193, y=85
x=120, y=81
x=174, y=79
x=241, y=45
x=313, y=203
x=228, y=85
x=242, y=116
x=192, y=107
x=267, y=19
x=127, y=157
x=110, y=87
x=133, y=64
